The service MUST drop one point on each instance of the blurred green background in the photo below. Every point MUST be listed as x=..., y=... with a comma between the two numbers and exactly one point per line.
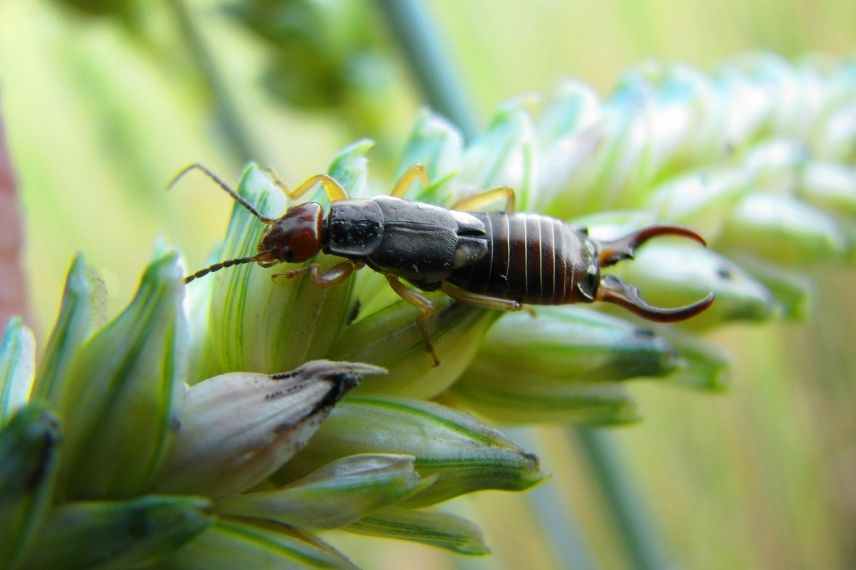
x=101, y=110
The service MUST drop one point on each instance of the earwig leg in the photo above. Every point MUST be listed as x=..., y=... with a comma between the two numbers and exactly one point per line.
x=480, y=200
x=425, y=307
x=331, y=187
x=482, y=301
x=613, y=251
x=416, y=171
x=614, y=290
x=291, y=274
x=333, y=276
x=415, y=298
x=277, y=181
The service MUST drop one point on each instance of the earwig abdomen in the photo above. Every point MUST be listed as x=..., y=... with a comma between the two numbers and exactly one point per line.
x=532, y=259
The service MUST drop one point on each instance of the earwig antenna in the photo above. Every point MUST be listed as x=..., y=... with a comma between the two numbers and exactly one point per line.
x=261, y=256
x=614, y=290
x=238, y=198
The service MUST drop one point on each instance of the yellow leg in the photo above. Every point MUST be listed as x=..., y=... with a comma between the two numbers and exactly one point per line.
x=407, y=179
x=333, y=276
x=482, y=301
x=425, y=307
x=478, y=201
x=332, y=188
x=277, y=181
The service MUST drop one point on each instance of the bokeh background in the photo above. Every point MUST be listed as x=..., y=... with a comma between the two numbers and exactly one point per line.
x=103, y=102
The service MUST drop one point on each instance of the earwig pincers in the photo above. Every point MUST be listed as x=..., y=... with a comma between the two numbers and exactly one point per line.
x=494, y=260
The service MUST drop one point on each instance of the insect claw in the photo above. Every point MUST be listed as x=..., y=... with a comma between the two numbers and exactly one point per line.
x=286, y=274
x=611, y=252
x=614, y=290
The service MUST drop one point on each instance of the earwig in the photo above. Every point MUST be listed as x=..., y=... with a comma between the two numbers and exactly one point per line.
x=494, y=260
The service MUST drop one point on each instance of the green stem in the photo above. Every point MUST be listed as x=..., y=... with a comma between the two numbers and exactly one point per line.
x=556, y=520
x=411, y=25
x=226, y=112
x=410, y=22
x=639, y=533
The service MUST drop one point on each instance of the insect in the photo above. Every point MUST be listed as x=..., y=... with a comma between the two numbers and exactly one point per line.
x=494, y=260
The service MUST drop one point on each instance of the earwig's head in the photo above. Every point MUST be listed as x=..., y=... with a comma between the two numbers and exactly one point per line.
x=294, y=237
x=611, y=289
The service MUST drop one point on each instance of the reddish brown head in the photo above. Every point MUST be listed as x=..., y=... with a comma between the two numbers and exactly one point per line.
x=294, y=237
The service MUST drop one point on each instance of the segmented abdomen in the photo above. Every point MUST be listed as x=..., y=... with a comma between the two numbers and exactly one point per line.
x=531, y=258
